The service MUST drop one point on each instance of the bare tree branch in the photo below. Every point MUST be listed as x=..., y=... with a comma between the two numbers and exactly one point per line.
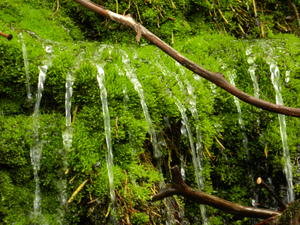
x=216, y=78
x=7, y=36
x=179, y=187
x=261, y=182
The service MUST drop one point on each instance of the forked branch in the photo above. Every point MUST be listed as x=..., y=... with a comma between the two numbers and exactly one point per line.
x=216, y=78
x=179, y=187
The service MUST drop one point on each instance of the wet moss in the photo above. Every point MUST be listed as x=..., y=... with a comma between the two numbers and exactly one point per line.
x=137, y=177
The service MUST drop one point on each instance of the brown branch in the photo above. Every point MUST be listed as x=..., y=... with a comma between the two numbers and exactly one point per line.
x=179, y=187
x=216, y=78
x=268, y=221
x=261, y=182
x=7, y=36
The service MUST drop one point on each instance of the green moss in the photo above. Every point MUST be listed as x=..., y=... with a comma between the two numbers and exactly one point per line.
x=140, y=218
x=226, y=160
x=291, y=214
x=17, y=177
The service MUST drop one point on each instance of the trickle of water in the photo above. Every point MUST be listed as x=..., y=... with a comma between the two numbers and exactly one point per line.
x=197, y=77
x=182, y=166
x=248, y=51
x=49, y=49
x=26, y=65
x=195, y=158
x=193, y=108
x=42, y=77
x=67, y=136
x=275, y=77
x=37, y=147
x=199, y=147
x=287, y=76
x=130, y=73
x=251, y=70
x=239, y=110
x=139, y=89
x=107, y=127
x=183, y=130
x=186, y=130
x=36, y=150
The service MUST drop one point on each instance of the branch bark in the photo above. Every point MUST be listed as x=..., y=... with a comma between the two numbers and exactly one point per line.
x=179, y=187
x=215, y=78
x=7, y=36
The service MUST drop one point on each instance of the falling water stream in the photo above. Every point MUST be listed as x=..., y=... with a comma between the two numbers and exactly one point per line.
x=107, y=128
x=198, y=170
x=196, y=151
x=275, y=77
x=196, y=148
x=239, y=110
x=68, y=133
x=139, y=89
x=130, y=73
x=199, y=148
x=67, y=136
x=251, y=70
x=26, y=65
x=37, y=147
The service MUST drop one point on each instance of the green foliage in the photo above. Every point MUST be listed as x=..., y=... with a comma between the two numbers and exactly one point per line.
x=187, y=17
x=14, y=204
x=15, y=138
x=140, y=218
x=229, y=167
x=11, y=68
x=291, y=214
x=37, y=17
x=16, y=173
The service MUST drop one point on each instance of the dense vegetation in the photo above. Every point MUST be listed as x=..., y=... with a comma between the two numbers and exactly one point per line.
x=179, y=18
x=197, y=29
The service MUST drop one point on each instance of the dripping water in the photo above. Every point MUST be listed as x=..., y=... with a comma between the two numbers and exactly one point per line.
x=107, y=128
x=251, y=70
x=275, y=77
x=199, y=146
x=37, y=147
x=192, y=102
x=130, y=73
x=196, y=148
x=195, y=159
x=67, y=136
x=287, y=76
x=139, y=89
x=239, y=110
x=242, y=126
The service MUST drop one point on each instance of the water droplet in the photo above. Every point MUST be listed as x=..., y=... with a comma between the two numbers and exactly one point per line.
x=49, y=49
x=287, y=76
x=251, y=60
x=196, y=77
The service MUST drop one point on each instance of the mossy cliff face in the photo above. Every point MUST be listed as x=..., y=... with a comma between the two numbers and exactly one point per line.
x=229, y=167
x=173, y=18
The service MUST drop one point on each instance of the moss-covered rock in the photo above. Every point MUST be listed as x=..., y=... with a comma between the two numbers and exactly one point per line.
x=229, y=166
